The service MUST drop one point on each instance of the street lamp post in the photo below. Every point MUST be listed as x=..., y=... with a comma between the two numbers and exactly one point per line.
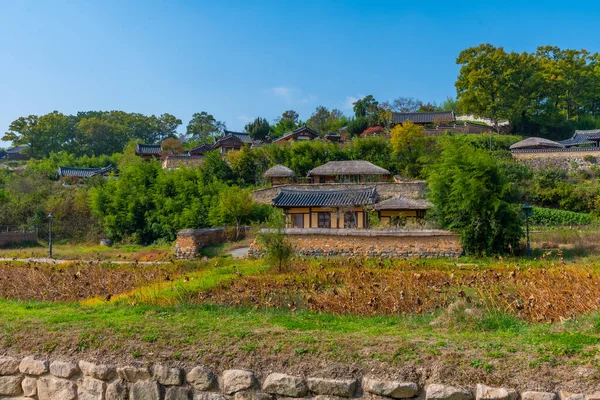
x=527, y=211
x=50, y=217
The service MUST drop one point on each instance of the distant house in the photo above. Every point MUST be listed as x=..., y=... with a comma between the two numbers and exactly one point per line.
x=333, y=137
x=391, y=211
x=232, y=141
x=536, y=143
x=174, y=161
x=425, y=118
x=79, y=174
x=17, y=153
x=200, y=150
x=342, y=208
x=583, y=138
x=2, y=154
x=349, y=171
x=148, y=151
x=280, y=175
x=303, y=133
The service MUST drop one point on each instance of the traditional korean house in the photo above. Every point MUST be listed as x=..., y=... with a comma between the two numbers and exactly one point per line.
x=303, y=133
x=398, y=208
x=425, y=118
x=74, y=175
x=536, y=143
x=349, y=171
x=2, y=154
x=200, y=150
x=148, y=151
x=583, y=138
x=280, y=175
x=232, y=141
x=333, y=137
x=341, y=208
x=17, y=153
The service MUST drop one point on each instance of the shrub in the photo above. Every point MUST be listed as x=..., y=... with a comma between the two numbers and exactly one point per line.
x=590, y=158
x=552, y=217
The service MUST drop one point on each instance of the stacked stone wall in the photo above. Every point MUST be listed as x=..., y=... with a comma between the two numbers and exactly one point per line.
x=371, y=243
x=36, y=379
x=413, y=189
x=567, y=160
x=191, y=241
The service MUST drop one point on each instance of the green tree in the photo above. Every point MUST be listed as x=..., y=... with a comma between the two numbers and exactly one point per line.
x=357, y=126
x=203, y=127
x=258, y=129
x=235, y=205
x=472, y=196
x=367, y=108
x=319, y=119
x=275, y=243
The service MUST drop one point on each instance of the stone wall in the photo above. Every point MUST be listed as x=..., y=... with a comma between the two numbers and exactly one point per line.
x=371, y=243
x=191, y=241
x=171, y=162
x=7, y=238
x=31, y=378
x=413, y=189
x=567, y=159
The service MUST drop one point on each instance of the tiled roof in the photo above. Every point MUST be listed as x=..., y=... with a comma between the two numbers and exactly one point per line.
x=279, y=171
x=147, y=149
x=203, y=146
x=535, y=143
x=302, y=130
x=85, y=172
x=423, y=117
x=325, y=198
x=402, y=203
x=343, y=168
x=243, y=136
x=18, y=149
x=557, y=150
x=581, y=137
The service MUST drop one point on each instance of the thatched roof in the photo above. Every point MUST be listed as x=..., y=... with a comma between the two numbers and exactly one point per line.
x=536, y=143
x=402, y=203
x=342, y=168
x=279, y=171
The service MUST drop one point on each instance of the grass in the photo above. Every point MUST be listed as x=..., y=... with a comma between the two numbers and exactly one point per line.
x=131, y=252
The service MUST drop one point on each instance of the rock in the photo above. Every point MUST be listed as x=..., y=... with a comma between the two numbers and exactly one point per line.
x=56, y=389
x=395, y=389
x=571, y=396
x=106, y=242
x=208, y=396
x=177, y=393
x=332, y=387
x=202, y=378
x=103, y=372
x=235, y=380
x=133, y=374
x=593, y=396
x=250, y=395
x=484, y=392
x=29, y=386
x=10, y=385
x=31, y=366
x=117, y=391
x=326, y=397
x=285, y=385
x=538, y=396
x=9, y=366
x=90, y=389
x=167, y=375
x=144, y=390
x=443, y=392
x=64, y=369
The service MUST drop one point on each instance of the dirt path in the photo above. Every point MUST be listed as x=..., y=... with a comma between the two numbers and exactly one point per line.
x=240, y=253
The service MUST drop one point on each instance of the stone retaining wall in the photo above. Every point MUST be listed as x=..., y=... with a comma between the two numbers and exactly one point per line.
x=31, y=378
x=371, y=243
x=413, y=189
x=191, y=241
x=567, y=160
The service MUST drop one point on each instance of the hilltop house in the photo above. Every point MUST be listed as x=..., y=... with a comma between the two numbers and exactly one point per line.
x=280, y=175
x=400, y=207
x=75, y=175
x=341, y=208
x=536, y=143
x=232, y=141
x=148, y=151
x=583, y=138
x=303, y=133
x=348, y=171
x=200, y=150
x=17, y=153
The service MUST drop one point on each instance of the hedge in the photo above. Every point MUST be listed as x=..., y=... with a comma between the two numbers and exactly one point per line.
x=553, y=217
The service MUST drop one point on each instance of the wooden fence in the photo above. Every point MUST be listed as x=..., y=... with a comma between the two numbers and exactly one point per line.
x=7, y=238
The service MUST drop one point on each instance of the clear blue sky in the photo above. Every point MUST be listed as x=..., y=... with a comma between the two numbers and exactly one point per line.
x=242, y=59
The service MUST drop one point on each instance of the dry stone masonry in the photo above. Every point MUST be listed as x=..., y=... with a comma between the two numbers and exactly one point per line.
x=34, y=379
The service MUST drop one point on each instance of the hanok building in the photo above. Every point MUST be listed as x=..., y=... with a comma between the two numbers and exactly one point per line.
x=535, y=143
x=348, y=172
x=75, y=175
x=425, y=118
x=301, y=134
x=393, y=211
x=280, y=175
x=17, y=153
x=583, y=139
x=232, y=141
x=333, y=137
x=342, y=208
x=148, y=151
x=200, y=150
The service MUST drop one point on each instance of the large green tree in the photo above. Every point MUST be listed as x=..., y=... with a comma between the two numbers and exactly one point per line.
x=258, y=129
x=203, y=127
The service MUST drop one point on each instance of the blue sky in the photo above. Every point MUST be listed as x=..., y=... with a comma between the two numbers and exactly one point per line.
x=242, y=59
